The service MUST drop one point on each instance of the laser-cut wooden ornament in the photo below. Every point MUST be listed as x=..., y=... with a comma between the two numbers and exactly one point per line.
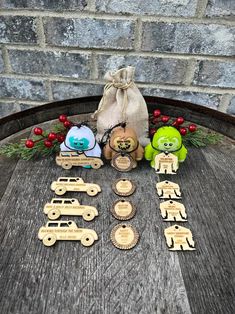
x=123, y=209
x=65, y=230
x=124, y=236
x=123, y=187
x=69, y=207
x=123, y=163
x=69, y=159
x=168, y=189
x=173, y=211
x=179, y=238
x=166, y=163
x=74, y=184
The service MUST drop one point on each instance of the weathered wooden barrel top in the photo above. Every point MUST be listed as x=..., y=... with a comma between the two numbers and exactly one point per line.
x=70, y=278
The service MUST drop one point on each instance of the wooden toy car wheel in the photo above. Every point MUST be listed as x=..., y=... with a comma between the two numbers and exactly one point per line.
x=92, y=191
x=54, y=214
x=66, y=165
x=60, y=190
x=96, y=164
x=87, y=239
x=88, y=215
x=49, y=239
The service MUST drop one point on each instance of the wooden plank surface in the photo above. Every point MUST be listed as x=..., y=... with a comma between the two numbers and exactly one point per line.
x=69, y=278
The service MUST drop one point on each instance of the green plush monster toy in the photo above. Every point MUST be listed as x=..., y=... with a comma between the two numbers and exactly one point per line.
x=167, y=139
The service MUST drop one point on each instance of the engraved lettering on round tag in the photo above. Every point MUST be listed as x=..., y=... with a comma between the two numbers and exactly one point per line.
x=124, y=236
x=122, y=162
x=123, y=187
x=123, y=210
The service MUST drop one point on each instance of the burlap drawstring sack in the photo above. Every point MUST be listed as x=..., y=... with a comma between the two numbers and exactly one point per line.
x=122, y=102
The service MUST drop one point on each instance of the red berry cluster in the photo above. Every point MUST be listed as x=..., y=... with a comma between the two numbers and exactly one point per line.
x=51, y=137
x=177, y=123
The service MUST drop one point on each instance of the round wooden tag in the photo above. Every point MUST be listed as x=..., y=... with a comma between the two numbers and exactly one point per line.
x=124, y=236
x=123, y=187
x=123, y=210
x=122, y=162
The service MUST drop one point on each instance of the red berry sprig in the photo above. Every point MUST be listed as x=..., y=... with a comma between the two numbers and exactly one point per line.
x=178, y=123
x=29, y=143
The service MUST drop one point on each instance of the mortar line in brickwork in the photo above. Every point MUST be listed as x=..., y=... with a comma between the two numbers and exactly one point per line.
x=138, y=35
x=49, y=89
x=40, y=33
x=193, y=88
x=94, y=67
x=120, y=52
x=119, y=16
x=25, y=101
x=91, y=6
x=201, y=8
x=190, y=71
x=224, y=102
x=6, y=60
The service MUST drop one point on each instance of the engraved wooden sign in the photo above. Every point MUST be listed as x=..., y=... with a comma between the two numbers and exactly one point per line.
x=123, y=162
x=168, y=189
x=173, y=211
x=123, y=210
x=179, y=238
x=74, y=184
x=69, y=159
x=124, y=236
x=166, y=163
x=123, y=187
x=69, y=206
x=65, y=230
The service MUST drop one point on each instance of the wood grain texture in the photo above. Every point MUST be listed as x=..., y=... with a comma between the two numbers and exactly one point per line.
x=69, y=278
x=214, y=119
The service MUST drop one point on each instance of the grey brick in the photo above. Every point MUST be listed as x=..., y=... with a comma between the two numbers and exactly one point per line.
x=62, y=90
x=231, y=107
x=156, y=7
x=50, y=63
x=1, y=62
x=189, y=38
x=22, y=89
x=148, y=69
x=55, y=5
x=204, y=99
x=18, y=29
x=222, y=8
x=90, y=33
x=213, y=73
x=8, y=108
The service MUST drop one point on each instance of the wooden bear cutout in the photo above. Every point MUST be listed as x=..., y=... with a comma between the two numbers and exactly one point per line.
x=166, y=163
x=173, y=211
x=168, y=189
x=179, y=238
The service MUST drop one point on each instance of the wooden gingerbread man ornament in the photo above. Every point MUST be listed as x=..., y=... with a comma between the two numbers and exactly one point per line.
x=123, y=149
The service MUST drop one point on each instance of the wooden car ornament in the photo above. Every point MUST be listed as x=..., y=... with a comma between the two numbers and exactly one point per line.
x=65, y=230
x=80, y=149
x=166, y=163
x=124, y=236
x=123, y=209
x=69, y=159
x=123, y=148
x=173, y=211
x=123, y=187
x=69, y=207
x=168, y=189
x=73, y=184
x=179, y=238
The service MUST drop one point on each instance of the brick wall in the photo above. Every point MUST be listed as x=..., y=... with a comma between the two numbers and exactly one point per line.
x=59, y=49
